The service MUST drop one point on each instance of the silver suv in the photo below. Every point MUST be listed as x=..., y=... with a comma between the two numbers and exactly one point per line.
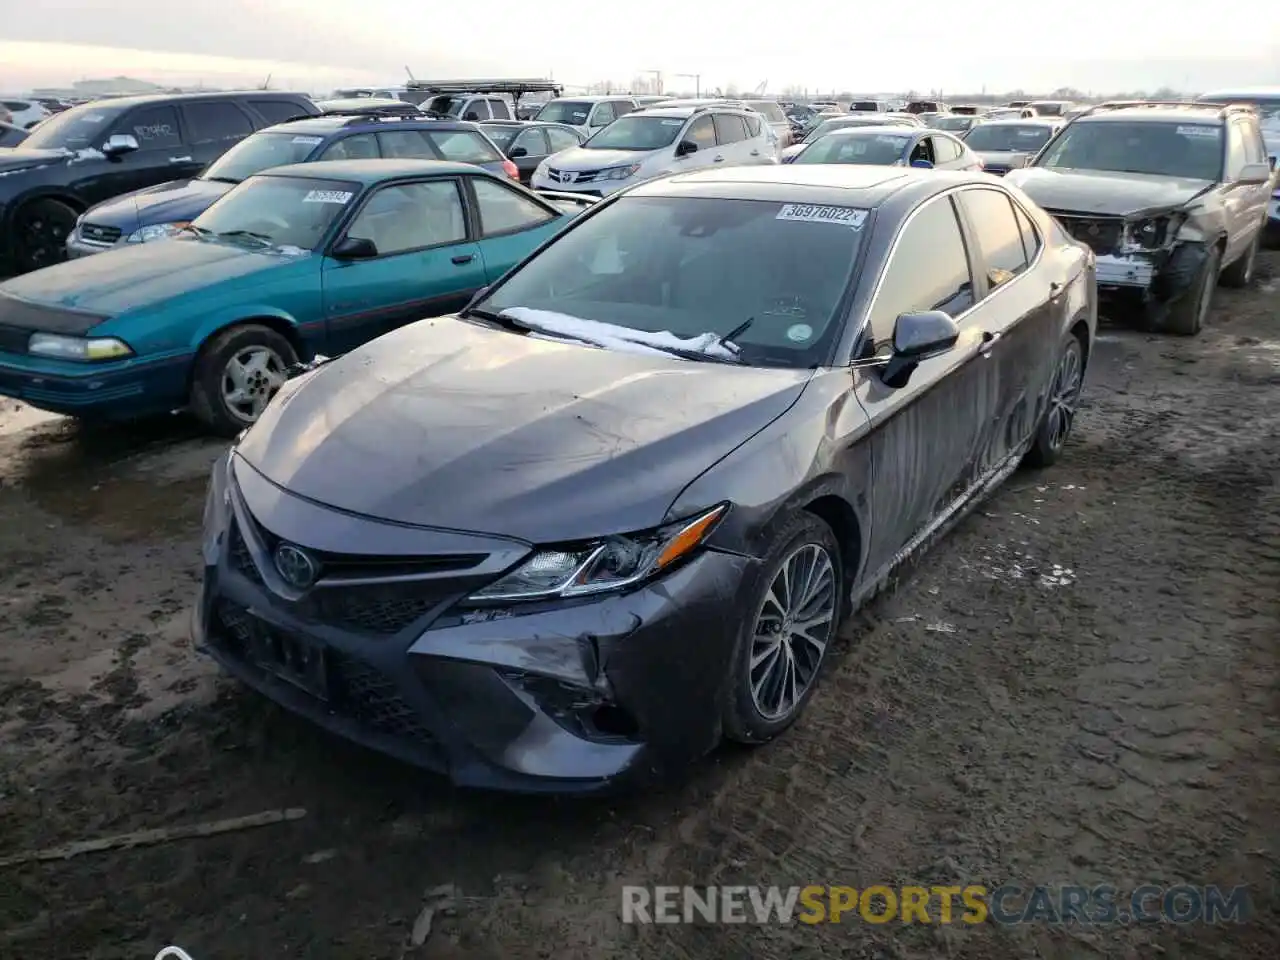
x=1171, y=197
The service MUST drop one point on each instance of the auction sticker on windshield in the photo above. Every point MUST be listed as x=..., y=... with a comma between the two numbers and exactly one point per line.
x=308, y=140
x=328, y=196
x=1201, y=130
x=812, y=213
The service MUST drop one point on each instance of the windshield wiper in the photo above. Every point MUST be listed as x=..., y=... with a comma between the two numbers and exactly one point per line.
x=199, y=231
x=495, y=316
x=260, y=237
x=231, y=180
x=726, y=339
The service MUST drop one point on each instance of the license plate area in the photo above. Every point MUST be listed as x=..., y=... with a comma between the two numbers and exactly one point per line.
x=288, y=658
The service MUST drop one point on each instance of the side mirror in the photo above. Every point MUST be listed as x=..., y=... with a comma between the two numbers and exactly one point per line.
x=922, y=164
x=918, y=337
x=518, y=152
x=686, y=147
x=1255, y=173
x=118, y=144
x=354, y=248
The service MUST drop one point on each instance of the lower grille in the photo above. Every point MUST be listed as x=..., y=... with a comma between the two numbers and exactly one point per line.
x=1101, y=234
x=383, y=609
x=99, y=233
x=357, y=690
x=373, y=701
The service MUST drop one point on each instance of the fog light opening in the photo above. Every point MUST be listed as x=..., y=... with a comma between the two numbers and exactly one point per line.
x=612, y=720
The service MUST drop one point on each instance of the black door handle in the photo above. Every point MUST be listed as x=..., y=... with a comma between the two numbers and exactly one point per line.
x=464, y=258
x=1055, y=288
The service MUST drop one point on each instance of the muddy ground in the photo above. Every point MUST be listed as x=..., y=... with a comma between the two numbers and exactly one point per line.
x=1078, y=686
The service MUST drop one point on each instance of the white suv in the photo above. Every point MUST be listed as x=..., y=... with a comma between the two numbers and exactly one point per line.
x=656, y=142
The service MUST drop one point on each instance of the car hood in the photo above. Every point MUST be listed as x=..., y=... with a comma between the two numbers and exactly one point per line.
x=1104, y=192
x=139, y=275
x=579, y=158
x=448, y=423
x=172, y=202
x=15, y=158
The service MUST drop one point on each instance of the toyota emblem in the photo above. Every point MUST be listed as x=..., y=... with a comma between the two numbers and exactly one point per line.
x=295, y=566
x=567, y=176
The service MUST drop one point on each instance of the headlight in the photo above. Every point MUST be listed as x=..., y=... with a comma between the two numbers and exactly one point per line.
x=612, y=563
x=77, y=348
x=618, y=173
x=1150, y=233
x=155, y=231
x=541, y=169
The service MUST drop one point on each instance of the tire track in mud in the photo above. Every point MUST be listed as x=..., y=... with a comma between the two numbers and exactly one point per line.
x=1119, y=729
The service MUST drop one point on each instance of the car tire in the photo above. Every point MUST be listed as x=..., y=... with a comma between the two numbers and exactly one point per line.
x=1239, y=274
x=258, y=353
x=1186, y=317
x=803, y=543
x=40, y=231
x=1060, y=411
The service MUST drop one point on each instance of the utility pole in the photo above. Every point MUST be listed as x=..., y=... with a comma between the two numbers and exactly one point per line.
x=697, y=82
x=657, y=78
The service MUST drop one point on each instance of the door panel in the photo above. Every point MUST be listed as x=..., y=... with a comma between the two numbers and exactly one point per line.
x=926, y=435
x=162, y=155
x=426, y=265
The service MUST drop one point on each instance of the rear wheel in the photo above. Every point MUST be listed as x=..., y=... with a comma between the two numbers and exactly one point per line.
x=1060, y=414
x=236, y=375
x=796, y=604
x=40, y=234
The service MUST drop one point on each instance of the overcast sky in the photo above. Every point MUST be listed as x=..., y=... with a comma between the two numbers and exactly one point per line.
x=930, y=44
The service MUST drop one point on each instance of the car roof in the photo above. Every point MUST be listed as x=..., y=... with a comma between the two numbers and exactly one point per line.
x=150, y=98
x=1229, y=93
x=664, y=111
x=360, y=103
x=896, y=129
x=370, y=172
x=521, y=123
x=592, y=97
x=1189, y=113
x=839, y=184
x=333, y=122
x=1024, y=122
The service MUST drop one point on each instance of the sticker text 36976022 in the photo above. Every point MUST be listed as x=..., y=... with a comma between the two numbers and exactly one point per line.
x=817, y=213
x=328, y=196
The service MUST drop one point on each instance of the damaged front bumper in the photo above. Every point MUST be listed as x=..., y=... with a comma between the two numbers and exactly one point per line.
x=1158, y=268
x=547, y=697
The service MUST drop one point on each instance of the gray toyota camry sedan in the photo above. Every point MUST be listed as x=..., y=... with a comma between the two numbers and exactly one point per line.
x=615, y=510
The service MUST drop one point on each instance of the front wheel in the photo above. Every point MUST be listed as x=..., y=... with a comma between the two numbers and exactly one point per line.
x=41, y=229
x=1187, y=315
x=237, y=373
x=796, y=602
x=1060, y=414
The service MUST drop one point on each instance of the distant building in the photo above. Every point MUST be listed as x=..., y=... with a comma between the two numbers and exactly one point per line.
x=91, y=89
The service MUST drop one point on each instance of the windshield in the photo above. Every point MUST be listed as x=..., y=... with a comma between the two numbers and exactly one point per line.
x=695, y=266
x=1020, y=138
x=952, y=123
x=280, y=211
x=857, y=147
x=258, y=152
x=1189, y=150
x=637, y=133
x=864, y=105
x=565, y=111
x=79, y=128
x=826, y=126
x=502, y=136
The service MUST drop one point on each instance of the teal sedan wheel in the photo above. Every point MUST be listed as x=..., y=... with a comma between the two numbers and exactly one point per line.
x=237, y=374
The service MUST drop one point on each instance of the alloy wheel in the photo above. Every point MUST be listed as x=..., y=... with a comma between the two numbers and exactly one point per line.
x=250, y=379
x=44, y=239
x=792, y=630
x=1066, y=393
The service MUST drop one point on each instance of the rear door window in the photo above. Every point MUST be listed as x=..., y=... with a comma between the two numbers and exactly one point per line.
x=945, y=150
x=407, y=144
x=534, y=142
x=1030, y=235
x=277, y=111
x=503, y=210
x=463, y=146
x=214, y=121
x=499, y=109
x=996, y=230
x=561, y=139
x=155, y=128
x=730, y=128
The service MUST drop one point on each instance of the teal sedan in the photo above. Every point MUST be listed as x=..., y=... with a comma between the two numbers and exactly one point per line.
x=298, y=261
